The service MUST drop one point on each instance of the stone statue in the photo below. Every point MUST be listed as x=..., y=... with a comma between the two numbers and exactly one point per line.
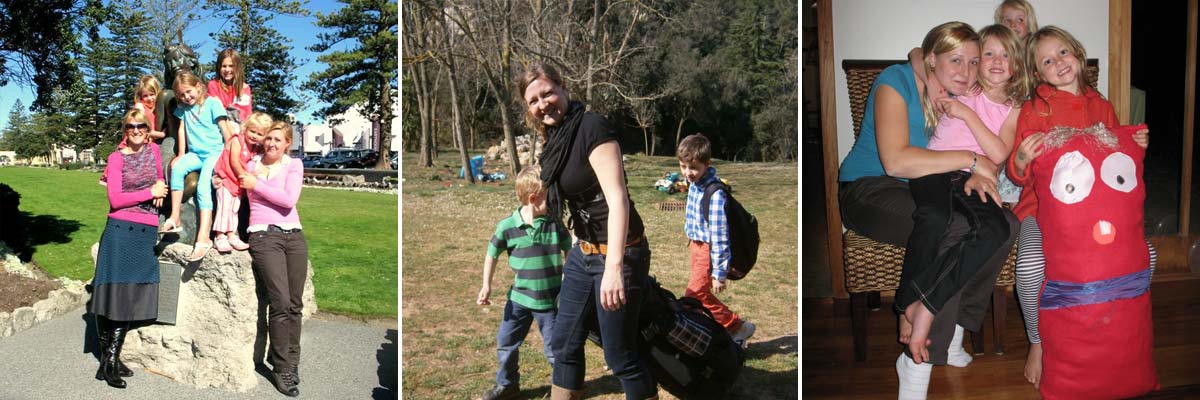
x=176, y=59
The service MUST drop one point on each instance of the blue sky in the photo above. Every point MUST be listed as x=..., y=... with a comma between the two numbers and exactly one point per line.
x=302, y=30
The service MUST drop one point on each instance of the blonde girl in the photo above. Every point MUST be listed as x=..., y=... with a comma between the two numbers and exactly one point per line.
x=145, y=99
x=1017, y=15
x=232, y=164
x=1063, y=97
x=202, y=136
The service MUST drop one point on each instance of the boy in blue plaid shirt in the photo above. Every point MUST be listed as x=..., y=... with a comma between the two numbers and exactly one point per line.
x=708, y=235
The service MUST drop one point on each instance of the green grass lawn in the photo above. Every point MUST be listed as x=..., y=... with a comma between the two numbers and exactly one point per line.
x=351, y=236
x=449, y=342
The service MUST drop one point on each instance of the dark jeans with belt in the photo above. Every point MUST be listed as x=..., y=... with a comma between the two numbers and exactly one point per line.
x=577, y=304
x=882, y=208
x=281, y=262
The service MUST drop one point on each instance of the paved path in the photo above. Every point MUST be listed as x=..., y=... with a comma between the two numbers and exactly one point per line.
x=342, y=359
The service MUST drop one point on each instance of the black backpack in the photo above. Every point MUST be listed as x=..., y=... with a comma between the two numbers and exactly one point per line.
x=743, y=231
x=686, y=350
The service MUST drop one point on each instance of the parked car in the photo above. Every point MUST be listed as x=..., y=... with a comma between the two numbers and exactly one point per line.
x=395, y=160
x=310, y=161
x=348, y=158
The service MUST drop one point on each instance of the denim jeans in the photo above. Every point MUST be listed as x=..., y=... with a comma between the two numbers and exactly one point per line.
x=577, y=304
x=513, y=329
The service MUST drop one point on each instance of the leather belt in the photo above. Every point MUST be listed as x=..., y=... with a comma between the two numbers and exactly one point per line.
x=593, y=249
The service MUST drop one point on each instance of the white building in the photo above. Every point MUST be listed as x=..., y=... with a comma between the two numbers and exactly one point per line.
x=354, y=132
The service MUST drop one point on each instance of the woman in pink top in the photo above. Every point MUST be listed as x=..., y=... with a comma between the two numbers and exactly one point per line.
x=272, y=182
x=230, y=86
x=125, y=287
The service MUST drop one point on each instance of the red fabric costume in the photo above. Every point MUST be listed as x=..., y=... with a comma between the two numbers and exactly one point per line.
x=1095, y=305
x=1059, y=109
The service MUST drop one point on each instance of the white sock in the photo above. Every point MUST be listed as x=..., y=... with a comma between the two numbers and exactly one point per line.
x=914, y=378
x=956, y=355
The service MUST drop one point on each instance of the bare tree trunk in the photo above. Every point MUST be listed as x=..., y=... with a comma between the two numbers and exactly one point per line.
x=592, y=49
x=423, y=106
x=456, y=115
x=646, y=139
x=679, y=130
x=506, y=65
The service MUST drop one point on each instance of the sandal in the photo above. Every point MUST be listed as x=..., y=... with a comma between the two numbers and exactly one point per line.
x=169, y=227
x=237, y=242
x=203, y=248
x=223, y=245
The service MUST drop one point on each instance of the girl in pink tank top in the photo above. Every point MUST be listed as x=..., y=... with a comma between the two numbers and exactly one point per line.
x=230, y=166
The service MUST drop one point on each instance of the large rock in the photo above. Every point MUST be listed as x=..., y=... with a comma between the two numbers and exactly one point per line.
x=219, y=322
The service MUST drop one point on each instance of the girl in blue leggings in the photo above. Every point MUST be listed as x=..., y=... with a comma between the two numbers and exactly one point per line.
x=203, y=133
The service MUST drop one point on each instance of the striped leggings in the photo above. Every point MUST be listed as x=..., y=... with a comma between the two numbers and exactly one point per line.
x=1031, y=273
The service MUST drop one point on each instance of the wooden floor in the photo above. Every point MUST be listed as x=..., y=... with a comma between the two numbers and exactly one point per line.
x=830, y=372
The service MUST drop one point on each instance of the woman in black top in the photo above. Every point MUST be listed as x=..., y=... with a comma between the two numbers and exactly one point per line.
x=605, y=272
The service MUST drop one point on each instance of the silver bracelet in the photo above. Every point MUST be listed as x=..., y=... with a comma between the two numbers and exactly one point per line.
x=974, y=161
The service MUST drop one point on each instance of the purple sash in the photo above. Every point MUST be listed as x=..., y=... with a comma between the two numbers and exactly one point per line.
x=1059, y=294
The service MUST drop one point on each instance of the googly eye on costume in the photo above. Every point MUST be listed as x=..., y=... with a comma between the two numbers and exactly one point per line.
x=1073, y=178
x=1119, y=172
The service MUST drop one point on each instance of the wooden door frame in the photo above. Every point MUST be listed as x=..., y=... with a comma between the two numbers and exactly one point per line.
x=829, y=143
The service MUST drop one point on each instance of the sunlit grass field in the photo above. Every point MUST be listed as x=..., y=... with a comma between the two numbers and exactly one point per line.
x=351, y=235
x=449, y=342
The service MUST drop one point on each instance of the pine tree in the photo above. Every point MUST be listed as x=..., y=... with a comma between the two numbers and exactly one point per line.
x=18, y=123
x=265, y=53
x=364, y=74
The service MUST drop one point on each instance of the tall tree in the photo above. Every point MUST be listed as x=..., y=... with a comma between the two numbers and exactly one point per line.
x=37, y=43
x=22, y=136
x=18, y=122
x=132, y=40
x=417, y=38
x=488, y=30
x=171, y=21
x=265, y=53
x=448, y=59
x=364, y=74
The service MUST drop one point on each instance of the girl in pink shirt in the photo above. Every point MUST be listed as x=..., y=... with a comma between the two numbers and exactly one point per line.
x=230, y=86
x=230, y=166
x=985, y=124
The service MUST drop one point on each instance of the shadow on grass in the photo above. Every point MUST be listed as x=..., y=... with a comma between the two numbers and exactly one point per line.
x=39, y=230
x=387, y=357
x=779, y=345
x=751, y=384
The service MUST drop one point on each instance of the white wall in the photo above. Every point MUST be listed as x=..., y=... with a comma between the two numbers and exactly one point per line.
x=887, y=30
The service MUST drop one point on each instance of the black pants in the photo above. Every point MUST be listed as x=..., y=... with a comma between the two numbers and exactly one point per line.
x=882, y=208
x=280, y=259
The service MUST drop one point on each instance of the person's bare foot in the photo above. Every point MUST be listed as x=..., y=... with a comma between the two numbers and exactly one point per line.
x=905, y=329
x=1033, y=364
x=922, y=322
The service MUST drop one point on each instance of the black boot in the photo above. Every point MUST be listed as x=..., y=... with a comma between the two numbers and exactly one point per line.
x=103, y=328
x=109, y=363
x=102, y=333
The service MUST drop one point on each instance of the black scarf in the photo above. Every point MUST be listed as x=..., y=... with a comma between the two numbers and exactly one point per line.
x=560, y=140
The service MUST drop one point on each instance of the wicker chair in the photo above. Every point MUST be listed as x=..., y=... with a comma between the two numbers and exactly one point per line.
x=872, y=266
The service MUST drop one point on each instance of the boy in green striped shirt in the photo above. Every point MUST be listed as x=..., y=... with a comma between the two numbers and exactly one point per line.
x=535, y=246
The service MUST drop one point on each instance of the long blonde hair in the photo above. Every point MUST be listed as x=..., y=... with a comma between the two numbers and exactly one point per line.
x=1021, y=5
x=1021, y=82
x=186, y=79
x=1076, y=49
x=941, y=39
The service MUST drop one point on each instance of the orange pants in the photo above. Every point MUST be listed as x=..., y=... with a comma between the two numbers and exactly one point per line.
x=700, y=287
